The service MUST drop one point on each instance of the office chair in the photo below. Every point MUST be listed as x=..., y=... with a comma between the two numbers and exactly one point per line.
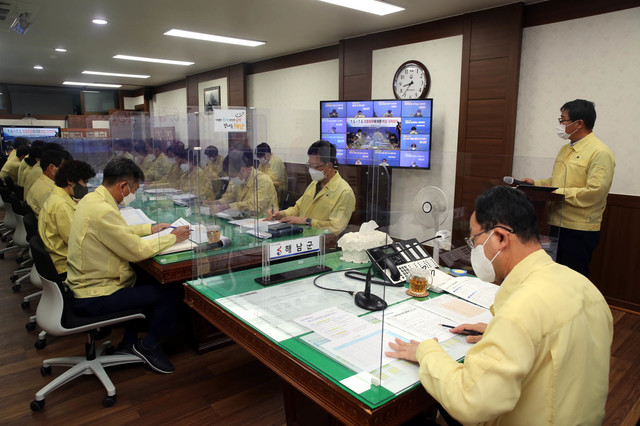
x=15, y=189
x=9, y=217
x=55, y=316
x=21, y=241
x=31, y=225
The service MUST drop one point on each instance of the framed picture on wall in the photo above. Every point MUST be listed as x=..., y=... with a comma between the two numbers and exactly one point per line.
x=211, y=97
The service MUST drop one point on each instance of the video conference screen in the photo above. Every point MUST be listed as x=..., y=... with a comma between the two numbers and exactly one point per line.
x=391, y=133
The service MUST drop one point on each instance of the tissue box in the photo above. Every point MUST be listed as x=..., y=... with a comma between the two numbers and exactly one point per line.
x=355, y=244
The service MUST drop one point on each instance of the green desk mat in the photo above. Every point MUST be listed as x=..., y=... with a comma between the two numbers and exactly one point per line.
x=375, y=397
x=168, y=213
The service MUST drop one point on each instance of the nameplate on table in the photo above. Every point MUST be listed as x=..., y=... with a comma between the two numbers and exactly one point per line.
x=290, y=248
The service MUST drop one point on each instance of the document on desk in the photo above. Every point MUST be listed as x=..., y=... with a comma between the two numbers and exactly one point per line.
x=472, y=289
x=229, y=214
x=273, y=310
x=198, y=235
x=420, y=323
x=161, y=191
x=250, y=223
x=135, y=216
x=458, y=311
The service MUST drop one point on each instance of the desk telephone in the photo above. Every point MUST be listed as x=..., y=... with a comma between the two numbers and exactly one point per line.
x=408, y=255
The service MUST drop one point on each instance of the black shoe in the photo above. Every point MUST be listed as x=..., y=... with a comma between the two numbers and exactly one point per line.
x=124, y=349
x=154, y=357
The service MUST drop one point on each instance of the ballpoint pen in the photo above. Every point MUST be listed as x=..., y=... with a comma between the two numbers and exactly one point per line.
x=466, y=331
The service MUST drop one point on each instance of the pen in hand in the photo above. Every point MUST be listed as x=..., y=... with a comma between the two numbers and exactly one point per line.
x=466, y=331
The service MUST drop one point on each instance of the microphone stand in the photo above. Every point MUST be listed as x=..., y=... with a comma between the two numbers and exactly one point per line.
x=371, y=302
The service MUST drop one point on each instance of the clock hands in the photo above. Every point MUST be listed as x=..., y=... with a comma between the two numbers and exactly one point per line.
x=407, y=88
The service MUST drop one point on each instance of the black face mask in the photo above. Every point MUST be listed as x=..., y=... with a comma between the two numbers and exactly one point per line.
x=79, y=191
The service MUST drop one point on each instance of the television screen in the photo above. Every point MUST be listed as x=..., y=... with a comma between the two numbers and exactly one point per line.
x=384, y=132
x=9, y=133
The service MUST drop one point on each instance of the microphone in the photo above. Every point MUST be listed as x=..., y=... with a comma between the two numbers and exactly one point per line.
x=371, y=302
x=511, y=181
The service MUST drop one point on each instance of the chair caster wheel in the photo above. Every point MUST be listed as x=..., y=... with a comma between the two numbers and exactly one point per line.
x=109, y=401
x=45, y=371
x=25, y=305
x=16, y=288
x=30, y=326
x=40, y=344
x=14, y=278
x=37, y=405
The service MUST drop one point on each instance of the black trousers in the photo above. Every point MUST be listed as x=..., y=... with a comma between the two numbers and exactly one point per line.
x=575, y=248
x=158, y=302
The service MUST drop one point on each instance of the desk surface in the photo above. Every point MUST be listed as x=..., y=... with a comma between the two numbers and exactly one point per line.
x=318, y=376
x=245, y=250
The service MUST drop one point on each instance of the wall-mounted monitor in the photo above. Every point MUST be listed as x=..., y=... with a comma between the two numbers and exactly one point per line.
x=9, y=133
x=390, y=132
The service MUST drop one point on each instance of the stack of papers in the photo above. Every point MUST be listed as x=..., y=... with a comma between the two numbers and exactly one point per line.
x=472, y=289
x=229, y=214
x=135, y=216
x=198, y=235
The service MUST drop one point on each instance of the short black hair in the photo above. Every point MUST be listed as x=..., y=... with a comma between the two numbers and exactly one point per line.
x=73, y=171
x=22, y=150
x=510, y=207
x=325, y=150
x=240, y=158
x=20, y=141
x=35, y=152
x=581, y=109
x=262, y=150
x=53, y=156
x=51, y=146
x=140, y=148
x=211, y=151
x=121, y=168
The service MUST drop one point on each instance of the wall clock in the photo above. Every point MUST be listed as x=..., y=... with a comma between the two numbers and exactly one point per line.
x=411, y=81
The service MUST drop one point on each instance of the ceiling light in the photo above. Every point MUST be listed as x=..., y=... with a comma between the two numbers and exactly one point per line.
x=79, y=83
x=214, y=38
x=370, y=6
x=90, y=91
x=100, y=21
x=159, y=61
x=115, y=74
x=38, y=67
x=61, y=50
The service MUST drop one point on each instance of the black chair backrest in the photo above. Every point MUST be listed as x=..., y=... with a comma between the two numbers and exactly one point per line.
x=43, y=262
x=16, y=205
x=10, y=185
x=30, y=224
x=6, y=195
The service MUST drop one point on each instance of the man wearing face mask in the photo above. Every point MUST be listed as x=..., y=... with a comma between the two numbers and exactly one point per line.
x=194, y=178
x=272, y=166
x=54, y=222
x=328, y=202
x=101, y=245
x=42, y=187
x=544, y=356
x=583, y=172
x=250, y=191
x=36, y=171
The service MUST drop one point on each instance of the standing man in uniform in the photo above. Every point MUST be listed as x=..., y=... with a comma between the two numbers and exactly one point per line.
x=583, y=172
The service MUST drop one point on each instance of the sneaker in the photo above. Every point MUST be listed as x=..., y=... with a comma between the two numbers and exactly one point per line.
x=154, y=357
x=124, y=349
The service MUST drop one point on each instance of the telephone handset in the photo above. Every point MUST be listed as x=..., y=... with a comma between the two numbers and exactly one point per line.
x=396, y=260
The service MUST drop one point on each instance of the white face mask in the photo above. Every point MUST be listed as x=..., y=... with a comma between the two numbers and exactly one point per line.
x=152, y=157
x=237, y=181
x=263, y=160
x=128, y=199
x=172, y=160
x=316, y=175
x=562, y=132
x=482, y=266
x=184, y=168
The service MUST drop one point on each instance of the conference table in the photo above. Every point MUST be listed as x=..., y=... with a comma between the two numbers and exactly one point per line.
x=314, y=392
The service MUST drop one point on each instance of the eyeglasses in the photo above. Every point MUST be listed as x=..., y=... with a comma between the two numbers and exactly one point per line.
x=309, y=166
x=562, y=120
x=471, y=241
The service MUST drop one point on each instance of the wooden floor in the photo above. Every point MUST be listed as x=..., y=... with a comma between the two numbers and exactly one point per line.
x=227, y=386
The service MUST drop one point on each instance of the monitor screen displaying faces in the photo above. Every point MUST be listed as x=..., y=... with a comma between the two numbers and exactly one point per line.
x=391, y=133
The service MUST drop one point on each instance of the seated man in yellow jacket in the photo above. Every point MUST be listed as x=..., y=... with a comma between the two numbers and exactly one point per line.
x=250, y=191
x=272, y=166
x=12, y=166
x=54, y=221
x=41, y=189
x=36, y=171
x=194, y=179
x=101, y=245
x=544, y=356
x=35, y=152
x=328, y=202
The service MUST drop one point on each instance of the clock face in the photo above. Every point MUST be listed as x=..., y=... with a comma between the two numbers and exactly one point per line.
x=411, y=81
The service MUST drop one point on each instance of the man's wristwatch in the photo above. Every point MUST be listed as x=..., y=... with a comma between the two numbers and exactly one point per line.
x=307, y=222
